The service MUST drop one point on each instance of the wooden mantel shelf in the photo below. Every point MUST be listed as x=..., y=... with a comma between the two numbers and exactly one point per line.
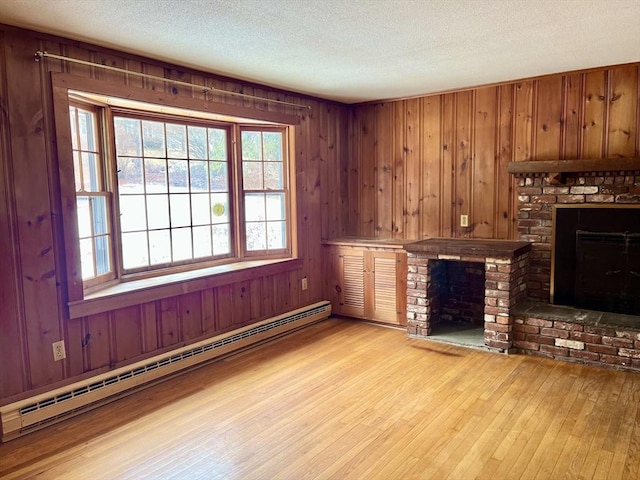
x=573, y=166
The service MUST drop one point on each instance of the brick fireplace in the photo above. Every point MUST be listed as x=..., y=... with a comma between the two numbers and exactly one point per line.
x=537, y=199
x=571, y=326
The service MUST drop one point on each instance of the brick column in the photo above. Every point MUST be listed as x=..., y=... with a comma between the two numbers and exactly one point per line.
x=417, y=300
x=505, y=285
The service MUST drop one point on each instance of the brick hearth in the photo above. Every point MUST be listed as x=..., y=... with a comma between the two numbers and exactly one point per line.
x=585, y=336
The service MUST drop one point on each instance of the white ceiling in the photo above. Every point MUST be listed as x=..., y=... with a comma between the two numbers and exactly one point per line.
x=353, y=50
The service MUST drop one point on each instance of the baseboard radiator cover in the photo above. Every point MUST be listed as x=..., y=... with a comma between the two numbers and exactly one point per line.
x=36, y=412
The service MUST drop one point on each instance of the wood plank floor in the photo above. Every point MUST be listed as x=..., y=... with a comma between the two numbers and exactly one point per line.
x=348, y=400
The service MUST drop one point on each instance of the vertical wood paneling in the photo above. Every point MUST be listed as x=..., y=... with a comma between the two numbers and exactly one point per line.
x=190, y=314
x=70, y=67
x=335, y=180
x=328, y=181
x=169, y=328
x=448, y=176
x=431, y=148
x=548, y=118
x=75, y=336
x=208, y=299
x=341, y=161
x=399, y=150
x=504, y=184
x=483, y=205
x=294, y=293
x=256, y=297
x=12, y=346
x=301, y=181
x=466, y=139
x=281, y=292
x=522, y=135
x=224, y=306
x=149, y=326
x=384, y=168
x=127, y=332
x=572, y=140
x=353, y=174
x=366, y=172
x=97, y=341
x=463, y=160
x=241, y=301
x=310, y=198
x=623, y=101
x=134, y=66
x=593, y=131
x=267, y=296
x=103, y=58
x=413, y=161
x=35, y=230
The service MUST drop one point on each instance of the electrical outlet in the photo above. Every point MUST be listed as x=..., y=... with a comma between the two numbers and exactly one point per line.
x=305, y=284
x=59, y=352
x=464, y=220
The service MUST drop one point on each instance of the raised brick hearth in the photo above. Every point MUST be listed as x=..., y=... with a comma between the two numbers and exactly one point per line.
x=567, y=333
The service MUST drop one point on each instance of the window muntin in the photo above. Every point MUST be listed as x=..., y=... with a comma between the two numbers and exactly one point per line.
x=173, y=190
x=92, y=198
x=265, y=190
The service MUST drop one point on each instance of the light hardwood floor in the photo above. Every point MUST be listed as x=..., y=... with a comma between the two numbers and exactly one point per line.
x=343, y=399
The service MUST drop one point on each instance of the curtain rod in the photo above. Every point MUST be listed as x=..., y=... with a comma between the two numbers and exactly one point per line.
x=40, y=55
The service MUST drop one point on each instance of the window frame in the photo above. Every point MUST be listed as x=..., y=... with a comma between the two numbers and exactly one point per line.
x=65, y=84
x=176, y=266
x=104, y=191
x=286, y=176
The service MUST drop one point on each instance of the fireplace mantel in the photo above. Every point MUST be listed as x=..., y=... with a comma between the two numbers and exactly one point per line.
x=573, y=166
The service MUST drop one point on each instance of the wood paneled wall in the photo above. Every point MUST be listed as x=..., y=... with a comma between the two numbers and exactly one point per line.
x=418, y=164
x=32, y=273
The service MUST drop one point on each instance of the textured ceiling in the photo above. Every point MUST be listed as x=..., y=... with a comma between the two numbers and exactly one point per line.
x=356, y=50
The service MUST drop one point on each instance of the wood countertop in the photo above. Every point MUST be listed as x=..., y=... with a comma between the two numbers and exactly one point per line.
x=368, y=242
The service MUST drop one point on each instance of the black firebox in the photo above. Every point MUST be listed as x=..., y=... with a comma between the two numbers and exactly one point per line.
x=596, y=259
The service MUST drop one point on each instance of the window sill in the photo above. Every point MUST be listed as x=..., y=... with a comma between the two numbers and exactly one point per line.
x=135, y=292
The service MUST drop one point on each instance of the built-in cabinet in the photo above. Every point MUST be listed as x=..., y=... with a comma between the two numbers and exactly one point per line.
x=367, y=280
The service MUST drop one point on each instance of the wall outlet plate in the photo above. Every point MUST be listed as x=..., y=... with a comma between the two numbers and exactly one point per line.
x=305, y=284
x=59, y=352
x=464, y=220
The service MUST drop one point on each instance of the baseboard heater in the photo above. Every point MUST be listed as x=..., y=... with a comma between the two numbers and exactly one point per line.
x=36, y=412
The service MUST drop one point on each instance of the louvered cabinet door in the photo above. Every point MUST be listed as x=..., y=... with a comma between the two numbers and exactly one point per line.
x=367, y=283
x=351, y=290
x=385, y=284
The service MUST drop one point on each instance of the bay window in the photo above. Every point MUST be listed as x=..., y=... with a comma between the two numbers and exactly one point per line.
x=157, y=193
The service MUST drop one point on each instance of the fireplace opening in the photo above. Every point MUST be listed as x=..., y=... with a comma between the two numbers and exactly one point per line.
x=457, y=301
x=596, y=259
